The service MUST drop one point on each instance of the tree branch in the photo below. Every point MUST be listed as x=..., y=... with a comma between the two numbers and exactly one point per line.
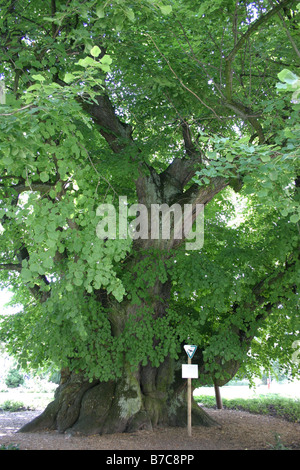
x=116, y=133
x=252, y=29
x=11, y=267
x=17, y=110
x=53, y=12
x=204, y=194
x=43, y=188
x=197, y=195
x=181, y=170
x=239, y=108
x=179, y=79
x=294, y=45
x=247, y=114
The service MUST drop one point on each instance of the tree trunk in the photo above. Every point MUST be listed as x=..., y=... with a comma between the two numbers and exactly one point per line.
x=152, y=396
x=218, y=397
x=145, y=399
x=149, y=398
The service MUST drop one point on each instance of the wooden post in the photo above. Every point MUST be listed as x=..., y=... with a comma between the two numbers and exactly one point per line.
x=189, y=403
x=218, y=397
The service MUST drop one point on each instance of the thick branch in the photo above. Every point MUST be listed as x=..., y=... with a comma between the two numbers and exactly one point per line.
x=53, y=12
x=181, y=170
x=189, y=145
x=204, y=194
x=197, y=195
x=116, y=133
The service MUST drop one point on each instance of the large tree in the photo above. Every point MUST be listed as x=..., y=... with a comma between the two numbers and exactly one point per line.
x=180, y=102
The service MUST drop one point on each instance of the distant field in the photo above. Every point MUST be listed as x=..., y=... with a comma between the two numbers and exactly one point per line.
x=291, y=390
x=31, y=399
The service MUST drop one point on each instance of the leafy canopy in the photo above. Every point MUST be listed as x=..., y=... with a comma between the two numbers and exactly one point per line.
x=214, y=80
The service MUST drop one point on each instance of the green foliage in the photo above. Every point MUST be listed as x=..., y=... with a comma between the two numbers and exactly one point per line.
x=14, y=378
x=13, y=406
x=97, y=96
x=286, y=408
x=9, y=447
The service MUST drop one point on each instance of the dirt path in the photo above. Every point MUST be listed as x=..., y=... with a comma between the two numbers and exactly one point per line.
x=237, y=431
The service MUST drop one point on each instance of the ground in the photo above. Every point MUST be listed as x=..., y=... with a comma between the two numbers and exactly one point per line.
x=237, y=430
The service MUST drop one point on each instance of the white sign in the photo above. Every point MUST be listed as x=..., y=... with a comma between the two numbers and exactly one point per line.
x=190, y=349
x=190, y=371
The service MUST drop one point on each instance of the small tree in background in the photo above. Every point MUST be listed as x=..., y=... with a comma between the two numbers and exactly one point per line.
x=14, y=378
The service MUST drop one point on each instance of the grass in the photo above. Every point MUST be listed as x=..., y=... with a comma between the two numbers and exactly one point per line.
x=10, y=405
x=33, y=397
x=273, y=405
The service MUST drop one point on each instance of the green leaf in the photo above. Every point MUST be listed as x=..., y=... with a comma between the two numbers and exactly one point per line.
x=105, y=63
x=88, y=61
x=295, y=218
x=130, y=14
x=284, y=212
x=44, y=177
x=106, y=59
x=100, y=12
x=39, y=78
x=165, y=9
x=265, y=158
x=78, y=281
x=69, y=77
x=281, y=86
x=263, y=193
x=273, y=175
x=95, y=51
x=36, y=86
x=287, y=76
x=26, y=274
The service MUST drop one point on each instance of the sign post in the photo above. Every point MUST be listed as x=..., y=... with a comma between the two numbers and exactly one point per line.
x=189, y=403
x=189, y=372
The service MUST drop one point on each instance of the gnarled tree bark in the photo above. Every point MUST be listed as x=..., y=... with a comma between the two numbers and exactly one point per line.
x=146, y=399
